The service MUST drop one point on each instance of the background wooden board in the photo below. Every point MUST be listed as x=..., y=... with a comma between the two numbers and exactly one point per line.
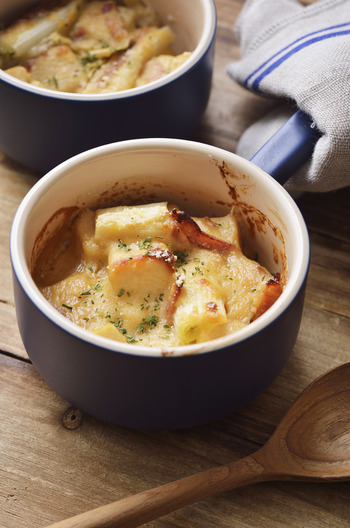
x=55, y=462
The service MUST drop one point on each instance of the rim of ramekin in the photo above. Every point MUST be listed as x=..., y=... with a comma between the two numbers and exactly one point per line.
x=21, y=270
x=205, y=42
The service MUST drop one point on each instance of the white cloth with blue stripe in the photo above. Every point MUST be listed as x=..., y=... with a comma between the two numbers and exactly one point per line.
x=299, y=55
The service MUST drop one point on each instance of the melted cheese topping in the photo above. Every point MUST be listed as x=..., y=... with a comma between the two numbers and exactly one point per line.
x=152, y=275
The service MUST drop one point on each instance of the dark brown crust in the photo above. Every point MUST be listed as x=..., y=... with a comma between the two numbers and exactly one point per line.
x=195, y=235
x=272, y=291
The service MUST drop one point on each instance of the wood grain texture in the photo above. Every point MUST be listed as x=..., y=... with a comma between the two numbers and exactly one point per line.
x=312, y=442
x=55, y=463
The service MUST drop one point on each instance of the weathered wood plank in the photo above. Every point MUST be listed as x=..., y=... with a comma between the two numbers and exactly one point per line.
x=328, y=214
x=51, y=471
x=15, y=182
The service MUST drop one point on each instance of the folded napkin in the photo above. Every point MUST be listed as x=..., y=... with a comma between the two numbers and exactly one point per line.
x=299, y=55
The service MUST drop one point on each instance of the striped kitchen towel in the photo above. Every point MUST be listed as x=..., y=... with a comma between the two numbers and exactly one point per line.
x=300, y=55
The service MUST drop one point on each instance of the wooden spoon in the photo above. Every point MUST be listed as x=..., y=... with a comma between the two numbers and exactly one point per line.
x=312, y=443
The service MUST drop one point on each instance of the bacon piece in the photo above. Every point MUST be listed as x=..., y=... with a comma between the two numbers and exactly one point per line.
x=272, y=291
x=195, y=235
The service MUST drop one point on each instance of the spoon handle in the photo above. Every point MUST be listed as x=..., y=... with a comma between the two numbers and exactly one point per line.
x=148, y=505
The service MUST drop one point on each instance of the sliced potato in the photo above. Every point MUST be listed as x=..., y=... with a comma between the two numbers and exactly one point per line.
x=100, y=26
x=121, y=71
x=158, y=67
x=59, y=69
x=17, y=40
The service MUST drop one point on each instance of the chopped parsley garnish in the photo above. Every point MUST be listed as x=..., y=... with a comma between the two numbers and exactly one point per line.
x=157, y=301
x=123, y=246
x=87, y=58
x=197, y=270
x=130, y=338
x=148, y=323
x=181, y=258
x=145, y=244
x=54, y=81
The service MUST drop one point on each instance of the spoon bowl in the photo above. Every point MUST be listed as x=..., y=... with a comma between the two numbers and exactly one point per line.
x=312, y=442
x=313, y=439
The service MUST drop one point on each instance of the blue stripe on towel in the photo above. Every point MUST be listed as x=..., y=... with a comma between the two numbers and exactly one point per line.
x=302, y=45
x=330, y=28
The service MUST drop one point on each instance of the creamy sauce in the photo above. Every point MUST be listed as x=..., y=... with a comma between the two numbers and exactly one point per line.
x=152, y=275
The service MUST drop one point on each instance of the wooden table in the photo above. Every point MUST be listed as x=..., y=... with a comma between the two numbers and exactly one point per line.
x=56, y=463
